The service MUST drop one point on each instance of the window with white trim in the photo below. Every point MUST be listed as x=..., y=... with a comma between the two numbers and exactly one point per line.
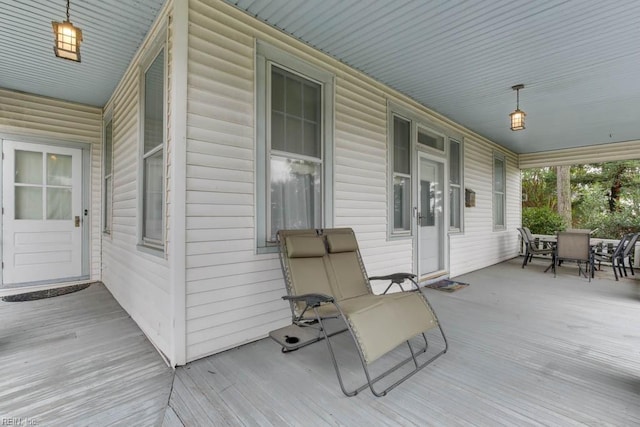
x=295, y=110
x=499, y=191
x=401, y=176
x=152, y=151
x=455, y=185
x=108, y=173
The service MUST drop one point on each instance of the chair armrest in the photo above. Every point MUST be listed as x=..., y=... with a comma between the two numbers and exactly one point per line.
x=397, y=279
x=312, y=300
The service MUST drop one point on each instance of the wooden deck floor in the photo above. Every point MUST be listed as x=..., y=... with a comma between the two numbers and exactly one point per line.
x=525, y=349
x=78, y=359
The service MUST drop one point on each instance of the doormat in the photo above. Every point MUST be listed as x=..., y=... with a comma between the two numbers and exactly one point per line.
x=49, y=293
x=447, y=285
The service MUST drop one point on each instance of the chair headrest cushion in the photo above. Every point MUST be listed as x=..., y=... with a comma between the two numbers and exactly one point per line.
x=305, y=247
x=342, y=243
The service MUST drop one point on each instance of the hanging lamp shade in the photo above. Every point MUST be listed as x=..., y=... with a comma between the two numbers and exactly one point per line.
x=517, y=117
x=67, y=39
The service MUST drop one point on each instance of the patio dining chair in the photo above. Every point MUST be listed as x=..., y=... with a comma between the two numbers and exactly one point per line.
x=531, y=246
x=326, y=279
x=625, y=256
x=574, y=247
x=614, y=257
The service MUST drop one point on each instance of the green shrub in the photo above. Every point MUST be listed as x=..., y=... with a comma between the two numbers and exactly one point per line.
x=612, y=225
x=542, y=220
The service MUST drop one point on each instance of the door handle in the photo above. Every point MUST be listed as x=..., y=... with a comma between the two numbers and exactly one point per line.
x=77, y=221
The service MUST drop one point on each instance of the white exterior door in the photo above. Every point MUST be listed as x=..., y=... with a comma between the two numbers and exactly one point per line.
x=430, y=216
x=42, y=205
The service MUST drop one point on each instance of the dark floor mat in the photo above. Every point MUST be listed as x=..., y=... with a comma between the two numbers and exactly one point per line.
x=49, y=293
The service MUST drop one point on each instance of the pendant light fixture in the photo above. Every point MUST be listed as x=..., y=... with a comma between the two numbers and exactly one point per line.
x=67, y=39
x=517, y=117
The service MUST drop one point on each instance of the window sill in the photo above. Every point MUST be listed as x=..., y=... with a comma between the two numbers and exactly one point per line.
x=267, y=250
x=151, y=250
x=399, y=236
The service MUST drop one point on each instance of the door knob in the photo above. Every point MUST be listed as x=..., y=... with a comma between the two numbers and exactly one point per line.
x=77, y=221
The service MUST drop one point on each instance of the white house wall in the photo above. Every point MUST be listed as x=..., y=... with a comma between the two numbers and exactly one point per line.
x=41, y=119
x=139, y=281
x=233, y=294
x=479, y=245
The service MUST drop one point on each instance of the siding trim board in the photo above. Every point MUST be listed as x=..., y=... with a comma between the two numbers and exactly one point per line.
x=628, y=150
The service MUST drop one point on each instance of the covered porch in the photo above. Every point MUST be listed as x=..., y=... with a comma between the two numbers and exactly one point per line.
x=525, y=349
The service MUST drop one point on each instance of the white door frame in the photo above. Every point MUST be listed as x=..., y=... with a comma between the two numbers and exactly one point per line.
x=86, y=201
x=424, y=154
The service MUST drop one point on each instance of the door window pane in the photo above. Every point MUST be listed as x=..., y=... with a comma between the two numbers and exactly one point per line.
x=295, y=195
x=498, y=191
x=498, y=172
x=427, y=204
x=152, y=216
x=295, y=114
x=454, y=162
x=58, y=169
x=455, y=185
x=28, y=201
x=401, y=203
x=454, y=212
x=153, y=197
x=401, y=145
x=108, y=213
x=28, y=167
x=498, y=203
x=431, y=140
x=108, y=147
x=58, y=203
x=154, y=103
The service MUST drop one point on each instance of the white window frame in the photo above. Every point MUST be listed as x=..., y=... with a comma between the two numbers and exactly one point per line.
x=460, y=186
x=503, y=194
x=392, y=231
x=152, y=246
x=107, y=177
x=267, y=56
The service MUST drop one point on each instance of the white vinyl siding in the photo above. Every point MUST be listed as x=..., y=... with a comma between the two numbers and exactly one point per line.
x=361, y=156
x=138, y=280
x=480, y=245
x=44, y=119
x=233, y=292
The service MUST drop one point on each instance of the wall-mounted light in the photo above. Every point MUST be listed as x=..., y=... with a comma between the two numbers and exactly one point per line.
x=67, y=39
x=517, y=117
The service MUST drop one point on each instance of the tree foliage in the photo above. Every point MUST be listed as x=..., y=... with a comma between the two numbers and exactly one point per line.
x=604, y=196
x=542, y=220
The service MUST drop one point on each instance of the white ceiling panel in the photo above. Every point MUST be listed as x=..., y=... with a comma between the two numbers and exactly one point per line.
x=578, y=59
x=112, y=30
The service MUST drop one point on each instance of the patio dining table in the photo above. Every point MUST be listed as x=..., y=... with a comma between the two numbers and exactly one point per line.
x=553, y=239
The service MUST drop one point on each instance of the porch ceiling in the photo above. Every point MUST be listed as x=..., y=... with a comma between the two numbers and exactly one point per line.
x=578, y=60
x=112, y=29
